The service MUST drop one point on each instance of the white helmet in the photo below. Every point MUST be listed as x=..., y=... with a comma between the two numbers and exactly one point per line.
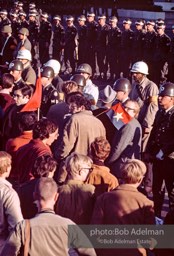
x=140, y=67
x=24, y=54
x=54, y=64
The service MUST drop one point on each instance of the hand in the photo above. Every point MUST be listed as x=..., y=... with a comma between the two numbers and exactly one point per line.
x=160, y=155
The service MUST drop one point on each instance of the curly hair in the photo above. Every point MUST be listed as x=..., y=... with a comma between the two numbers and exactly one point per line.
x=100, y=148
x=80, y=101
x=43, y=166
x=5, y=161
x=27, y=120
x=43, y=128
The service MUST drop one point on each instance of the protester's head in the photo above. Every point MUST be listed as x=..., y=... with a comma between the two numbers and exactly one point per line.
x=44, y=166
x=78, y=103
x=22, y=95
x=7, y=82
x=5, y=164
x=100, y=149
x=78, y=166
x=133, y=171
x=107, y=95
x=27, y=121
x=69, y=86
x=45, y=130
x=46, y=191
x=132, y=108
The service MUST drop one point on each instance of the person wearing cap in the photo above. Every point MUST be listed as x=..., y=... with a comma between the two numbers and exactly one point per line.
x=126, y=142
x=106, y=99
x=138, y=41
x=90, y=88
x=33, y=28
x=4, y=20
x=15, y=68
x=80, y=81
x=101, y=45
x=145, y=92
x=126, y=47
x=170, y=76
x=149, y=45
x=28, y=74
x=70, y=46
x=22, y=19
x=161, y=51
x=113, y=48
x=15, y=23
x=160, y=148
x=58, y=38
x=82, y=32
x=8, y=47
x=91, y=38
x=50, y=95
x=122, y=87
x=44, y=38
x=23, y=41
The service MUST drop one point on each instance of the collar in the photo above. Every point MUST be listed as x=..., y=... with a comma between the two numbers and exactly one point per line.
x=6, y=182
x=74, y=182
x=167, y=110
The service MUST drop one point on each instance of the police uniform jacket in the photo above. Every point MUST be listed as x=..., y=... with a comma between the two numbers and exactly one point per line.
x=138, y=44
x=91, y=33
x=50, y=97
x=45, y=31
x=114, y=38
x=126, y=40
x=82, y=31
x=70, y=34
x=162, y=134
x=149, y=44
x=58, y=36
x=146, y=94
x=33, y=31
x=102, y=36
x=162, y=47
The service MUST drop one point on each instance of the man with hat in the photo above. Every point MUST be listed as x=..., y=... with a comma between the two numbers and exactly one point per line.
x=4, y=20
x=138, y=41
x=160, y=147
x=113, y=48
x=16, y=67
x=58, y=38
x=161, y=51
x=22, y=19
x=50, y=95
x=106, y=99
x=15, y=23
x=28, y=74
x=90, y=88
x=82, y=31
x=33, y=28
x=8, y=47
x=145, y=92
x=149, y=45
x=91, y=38
x=171, y=59
x=126, y=47
x=101, y=45
x=24, y=42
x=44, y=38
x=70, y=45
x=122, y=87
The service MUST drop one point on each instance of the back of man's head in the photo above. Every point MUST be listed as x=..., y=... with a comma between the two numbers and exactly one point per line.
x=46, y=189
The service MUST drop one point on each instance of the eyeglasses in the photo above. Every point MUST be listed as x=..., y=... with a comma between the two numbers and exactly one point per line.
x=129, y=108
x=17, y=96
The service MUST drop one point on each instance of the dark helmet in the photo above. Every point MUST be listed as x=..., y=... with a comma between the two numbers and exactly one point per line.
x=167, y=90
x=79, y=79
x=84, y=68
x=47, y=72
x=16, y=65
x=122, y=84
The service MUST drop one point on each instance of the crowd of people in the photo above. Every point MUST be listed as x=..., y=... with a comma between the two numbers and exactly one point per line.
x=71, y=152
